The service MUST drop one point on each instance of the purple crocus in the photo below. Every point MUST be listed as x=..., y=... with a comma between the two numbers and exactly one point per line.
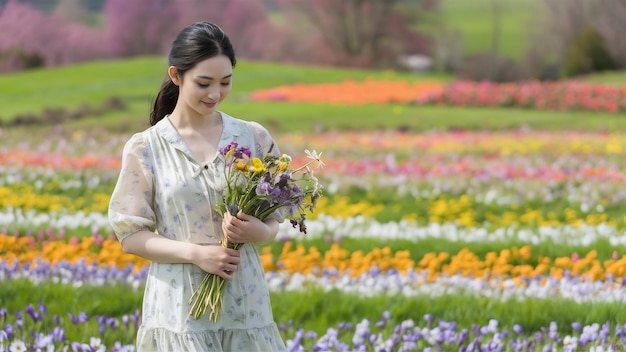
x=58, y=334
x=8, y=330
x=80, y=318
x=31, y=311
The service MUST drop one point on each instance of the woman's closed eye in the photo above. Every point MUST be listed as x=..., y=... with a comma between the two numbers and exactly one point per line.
x=202, y=85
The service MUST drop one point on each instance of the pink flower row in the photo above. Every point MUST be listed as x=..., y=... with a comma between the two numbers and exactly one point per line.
x=552, y=96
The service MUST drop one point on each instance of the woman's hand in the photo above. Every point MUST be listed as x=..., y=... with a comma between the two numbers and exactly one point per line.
x=218, y=260
x=212, y=259
x=246, y=228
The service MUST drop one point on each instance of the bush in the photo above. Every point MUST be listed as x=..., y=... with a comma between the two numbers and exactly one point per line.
x=493, y=68
x=587, y=53
x=15, y=60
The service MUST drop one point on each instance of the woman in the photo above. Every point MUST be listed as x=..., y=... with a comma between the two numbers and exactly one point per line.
x=162, y=207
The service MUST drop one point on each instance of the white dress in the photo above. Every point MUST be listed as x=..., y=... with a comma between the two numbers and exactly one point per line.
x=162, y=188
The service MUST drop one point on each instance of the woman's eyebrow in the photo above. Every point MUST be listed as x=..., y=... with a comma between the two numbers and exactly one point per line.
x=211, y=78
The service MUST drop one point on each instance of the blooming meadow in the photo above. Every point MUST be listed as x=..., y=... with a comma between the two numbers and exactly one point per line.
x=435, y=220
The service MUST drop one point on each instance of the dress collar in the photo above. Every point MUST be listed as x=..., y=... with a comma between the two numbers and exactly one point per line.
x=230, y=132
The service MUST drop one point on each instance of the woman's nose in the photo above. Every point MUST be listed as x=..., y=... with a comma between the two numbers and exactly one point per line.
x=214, y=94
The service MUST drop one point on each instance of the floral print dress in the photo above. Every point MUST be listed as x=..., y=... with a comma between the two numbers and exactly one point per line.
x=162, y=188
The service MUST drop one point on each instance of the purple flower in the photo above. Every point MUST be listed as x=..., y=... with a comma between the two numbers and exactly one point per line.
x=240, y=152
x=264, y=189
x=428, y=318
x=8, y=329
x=228, y=147
x=344, y=326
x=31, y=311
x=80, y=318
x=283, y=179
x=125, y=320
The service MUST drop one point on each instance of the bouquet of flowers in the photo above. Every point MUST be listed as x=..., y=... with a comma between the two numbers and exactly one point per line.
x=258, y=188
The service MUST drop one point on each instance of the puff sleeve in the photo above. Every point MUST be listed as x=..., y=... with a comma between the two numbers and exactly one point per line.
x=131, y=208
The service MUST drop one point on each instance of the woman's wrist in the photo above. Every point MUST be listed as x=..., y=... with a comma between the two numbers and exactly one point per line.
x=271, y=227
x=191, y=254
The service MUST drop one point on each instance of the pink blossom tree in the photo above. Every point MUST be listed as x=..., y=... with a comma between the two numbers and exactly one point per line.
x=141, y=27
x=245, y=22
x=30, y=38
x=25, y=35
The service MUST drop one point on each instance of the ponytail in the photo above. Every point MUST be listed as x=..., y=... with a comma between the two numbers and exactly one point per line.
x=165, y=101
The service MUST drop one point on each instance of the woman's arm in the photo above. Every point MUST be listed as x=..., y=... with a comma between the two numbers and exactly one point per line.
x=212, y=259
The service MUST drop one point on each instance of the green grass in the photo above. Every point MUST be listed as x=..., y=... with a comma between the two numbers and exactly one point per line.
x=474, y=20
x=68, y=87
x=325, y=309
x=465, y=310
x=291, y=117
x=284, y=117
x=137, y=80
x=609, y=77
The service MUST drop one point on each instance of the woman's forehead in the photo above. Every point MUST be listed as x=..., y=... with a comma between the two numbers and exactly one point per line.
x=216, y=67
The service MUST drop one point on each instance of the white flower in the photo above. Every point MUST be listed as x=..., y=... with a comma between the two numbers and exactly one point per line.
x=314, y=156
x=96, y=344
x=570, y=341
x=17, y=346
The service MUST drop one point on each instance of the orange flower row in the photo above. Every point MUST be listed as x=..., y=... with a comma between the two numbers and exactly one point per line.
x=508, y=263
x=351, y=92
x=103, y=252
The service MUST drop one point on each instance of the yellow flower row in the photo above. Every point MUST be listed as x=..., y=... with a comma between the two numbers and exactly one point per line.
x=26, y=197
x=461, y=211
x=500, y=142
x=513, y=263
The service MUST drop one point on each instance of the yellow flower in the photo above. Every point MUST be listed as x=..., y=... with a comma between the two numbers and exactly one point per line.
x=257, y=166
x=241, y=166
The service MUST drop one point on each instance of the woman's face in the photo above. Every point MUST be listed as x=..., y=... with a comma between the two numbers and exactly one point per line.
x=206, y=85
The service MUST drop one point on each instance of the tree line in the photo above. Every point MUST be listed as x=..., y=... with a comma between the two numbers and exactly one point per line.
x=566, y=38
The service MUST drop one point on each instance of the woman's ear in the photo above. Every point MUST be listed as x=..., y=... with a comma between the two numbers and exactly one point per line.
x=174, y=76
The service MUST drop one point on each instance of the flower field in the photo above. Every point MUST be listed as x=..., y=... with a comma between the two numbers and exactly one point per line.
x=443, y=240
x=550, y=96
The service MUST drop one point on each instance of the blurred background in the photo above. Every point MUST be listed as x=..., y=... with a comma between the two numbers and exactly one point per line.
x=496, y=40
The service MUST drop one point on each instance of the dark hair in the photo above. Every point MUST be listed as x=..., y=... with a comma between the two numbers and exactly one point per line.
x=197, y=42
